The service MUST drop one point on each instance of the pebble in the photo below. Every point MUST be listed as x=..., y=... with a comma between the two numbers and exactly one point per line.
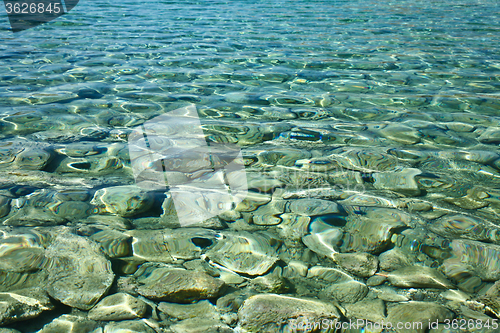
x=128, y=326
x=401, y=133
x=197, y=325
x=78, y=272
x=359, y=263
x=418, y=277
x=124, y=201
x=244, y=252
x=371, y=310
x=347, y=292
x=402, y=181
x=389, y=295
x=395, y=258
x=201, y=310
x=272, y=313
x=68, y=323
x=119, y=306
x=176, y=285
x=313, y=207
x=23, y=304
x=483, y=257
x=418, y=312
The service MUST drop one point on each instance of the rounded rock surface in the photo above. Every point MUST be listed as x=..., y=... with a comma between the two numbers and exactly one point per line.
x=119, y=306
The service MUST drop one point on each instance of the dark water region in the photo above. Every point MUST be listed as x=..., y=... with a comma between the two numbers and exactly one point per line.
x=369, y=135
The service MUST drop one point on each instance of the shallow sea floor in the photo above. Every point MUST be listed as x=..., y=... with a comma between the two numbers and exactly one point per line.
x=369, y=134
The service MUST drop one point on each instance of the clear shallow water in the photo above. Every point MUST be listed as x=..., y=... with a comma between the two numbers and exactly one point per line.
x=390, y=110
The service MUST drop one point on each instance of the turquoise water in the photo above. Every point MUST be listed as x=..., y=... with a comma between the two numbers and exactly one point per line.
x=385, y=114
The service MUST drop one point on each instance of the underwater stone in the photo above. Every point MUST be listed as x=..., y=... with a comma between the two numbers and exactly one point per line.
x=418, y=277
x=389, y=294
x=4, y=206
x=371, y=310
x=347, y=292
x=463, y=226
x=394, y=259
x=402, y=181
x=328, y=274
x=252, y=201
x=114, y=243
x=21, y=259
x=119, y=306
x=201, y=310
x=163, y=283
x=293, y=226
x=70, y=324
x=295, y=268
x=483, y=257
x=272, y=282
x=128, y=326
x=33, y=159
x=124, y=201
x=244, y=252
x=490, y=136
x=313, y=207
x=371, y=229
x=81, y=149
x=197, y=325
x=78, y=273
x=170, y=245
x=492, y=298
x=23, y=304
x=401, y=133
x=266, y=215
x=323, y=239
x=413, y=312
x=262, y=183
x=274, y=313
x=360, y=263
x=375, y=280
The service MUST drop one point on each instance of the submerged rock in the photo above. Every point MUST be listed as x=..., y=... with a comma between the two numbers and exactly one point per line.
x=244, y=252
x=323, y=238
x=359, y=263
x=347, y=292
x=128, y=326
x=23, y=304
x=119, y=306
x=402, y=181
x=70, y=324
x=197, y=325
x=313, y=207
x=78, y=272
x=484, y=258
x=33, y=159
x=201, y=310
x=418, y=277
x=170, y=245
x=401, y=133
x=371, y=310
x=274, y=313
x=418, y=315
x=164, y=283
x=394, y=259
x=463, y=226
x=492, y=299
x=124, y=201
x=371, y=229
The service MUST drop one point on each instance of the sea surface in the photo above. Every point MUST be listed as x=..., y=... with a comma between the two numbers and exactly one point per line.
x=362, y=138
